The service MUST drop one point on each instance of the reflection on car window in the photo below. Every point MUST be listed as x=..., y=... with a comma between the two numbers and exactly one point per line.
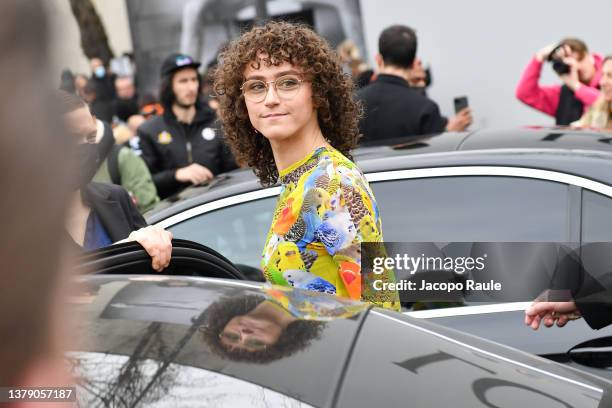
x=257, y=336
x=485, y=209
x=237, y=232
x=596, y=217
x=116, y=380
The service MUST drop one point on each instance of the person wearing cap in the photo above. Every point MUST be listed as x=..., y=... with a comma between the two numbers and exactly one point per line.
x=184, y=146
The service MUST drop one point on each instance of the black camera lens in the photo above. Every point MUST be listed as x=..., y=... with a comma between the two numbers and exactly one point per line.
x=560, y=67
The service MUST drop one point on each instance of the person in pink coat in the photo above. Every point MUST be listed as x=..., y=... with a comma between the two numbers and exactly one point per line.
x=580, y=73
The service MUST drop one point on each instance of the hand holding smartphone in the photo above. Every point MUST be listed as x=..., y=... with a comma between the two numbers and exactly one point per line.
x=461, y=102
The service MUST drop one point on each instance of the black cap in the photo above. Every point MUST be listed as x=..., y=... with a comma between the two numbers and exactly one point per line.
x=176, y=61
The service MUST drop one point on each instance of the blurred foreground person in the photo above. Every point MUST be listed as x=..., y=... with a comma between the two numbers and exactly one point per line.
x=599, y=115
x=35, y=182
x=580, y=72
x=394, y=107
x=184, y=146
x=102, y=214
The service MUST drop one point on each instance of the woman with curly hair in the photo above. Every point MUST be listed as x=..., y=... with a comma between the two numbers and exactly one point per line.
x=288, y=112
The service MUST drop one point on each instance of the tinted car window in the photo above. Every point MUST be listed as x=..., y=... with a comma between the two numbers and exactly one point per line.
x=596, y=217
x=473, y=208
x=237, y=232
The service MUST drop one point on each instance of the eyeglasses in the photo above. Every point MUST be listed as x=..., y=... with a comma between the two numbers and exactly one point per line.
x=286, y=87
x=236, y=338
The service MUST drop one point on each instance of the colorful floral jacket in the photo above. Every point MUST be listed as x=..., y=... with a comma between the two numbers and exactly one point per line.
x=325, y=211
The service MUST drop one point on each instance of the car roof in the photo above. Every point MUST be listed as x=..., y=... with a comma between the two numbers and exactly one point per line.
x=580, y=152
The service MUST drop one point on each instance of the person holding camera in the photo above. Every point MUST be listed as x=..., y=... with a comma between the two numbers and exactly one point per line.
x=580, y=72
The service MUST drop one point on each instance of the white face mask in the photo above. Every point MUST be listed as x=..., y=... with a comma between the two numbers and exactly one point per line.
x=99, y=72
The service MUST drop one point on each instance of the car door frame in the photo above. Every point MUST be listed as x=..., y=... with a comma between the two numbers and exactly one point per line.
x=111, y=259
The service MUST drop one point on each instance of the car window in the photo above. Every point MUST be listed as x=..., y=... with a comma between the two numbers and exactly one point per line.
x=238, y=232
x=596, y=217
x=474, y=208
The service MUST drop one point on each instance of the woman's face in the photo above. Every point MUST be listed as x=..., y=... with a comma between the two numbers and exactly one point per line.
x=250, y=333
x=606, y=80
x=283, y=112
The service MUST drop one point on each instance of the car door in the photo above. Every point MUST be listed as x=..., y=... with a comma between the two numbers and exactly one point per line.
x=418, y=364
x=188, y=259
x=505, y=206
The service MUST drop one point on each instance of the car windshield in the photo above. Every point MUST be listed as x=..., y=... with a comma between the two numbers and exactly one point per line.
x=161, y=341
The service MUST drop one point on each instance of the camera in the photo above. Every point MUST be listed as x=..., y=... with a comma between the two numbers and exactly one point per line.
x=560, y=67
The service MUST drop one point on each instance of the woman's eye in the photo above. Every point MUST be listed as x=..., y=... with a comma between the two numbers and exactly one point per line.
x=256, y=87
x=256, y=343
x=288, y=83
x=233, y=337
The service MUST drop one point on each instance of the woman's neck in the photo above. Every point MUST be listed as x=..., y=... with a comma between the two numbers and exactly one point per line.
x=295, y=148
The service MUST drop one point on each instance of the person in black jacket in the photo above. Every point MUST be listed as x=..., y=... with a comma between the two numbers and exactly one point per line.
x=394, y=109
x=184, y=146
x=102, y=214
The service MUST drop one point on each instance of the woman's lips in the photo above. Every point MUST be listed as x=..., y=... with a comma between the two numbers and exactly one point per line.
x=273, y=115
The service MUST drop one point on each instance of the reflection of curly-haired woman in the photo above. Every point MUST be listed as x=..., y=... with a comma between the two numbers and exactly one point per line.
x=251, y=328
x=288, y=112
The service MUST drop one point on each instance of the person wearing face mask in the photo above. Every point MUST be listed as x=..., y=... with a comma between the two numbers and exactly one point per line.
x=578, y=69
x=184, y=146
x=103, y=83
x=102, y=214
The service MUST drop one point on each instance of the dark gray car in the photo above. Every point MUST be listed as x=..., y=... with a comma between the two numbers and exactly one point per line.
x=524, y=185
x=153, y=340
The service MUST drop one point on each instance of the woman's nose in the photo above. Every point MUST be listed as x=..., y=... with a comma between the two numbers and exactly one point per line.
x=271, y=96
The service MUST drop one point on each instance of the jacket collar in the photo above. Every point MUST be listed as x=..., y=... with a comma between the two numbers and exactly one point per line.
x=392, y=79
x=598, y=59
x=204, y=114
x=108, y=209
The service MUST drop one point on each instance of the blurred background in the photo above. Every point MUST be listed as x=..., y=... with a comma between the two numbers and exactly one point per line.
x=476, y=48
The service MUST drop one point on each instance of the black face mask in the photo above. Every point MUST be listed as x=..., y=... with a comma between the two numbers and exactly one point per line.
x=88, y=160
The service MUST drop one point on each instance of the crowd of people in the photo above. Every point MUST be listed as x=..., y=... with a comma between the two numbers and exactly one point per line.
x=285, y=105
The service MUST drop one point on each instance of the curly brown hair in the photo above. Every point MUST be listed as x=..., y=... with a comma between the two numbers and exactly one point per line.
x=332, y=91
x=297, y=336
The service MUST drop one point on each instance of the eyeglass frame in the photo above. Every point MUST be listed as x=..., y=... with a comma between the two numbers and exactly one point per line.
x=267, y=85
x=241, y=341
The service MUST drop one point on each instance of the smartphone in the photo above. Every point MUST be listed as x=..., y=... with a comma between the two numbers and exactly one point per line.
x=461, y=102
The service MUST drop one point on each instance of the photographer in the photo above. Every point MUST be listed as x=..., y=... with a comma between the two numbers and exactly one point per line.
x=580, y=72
